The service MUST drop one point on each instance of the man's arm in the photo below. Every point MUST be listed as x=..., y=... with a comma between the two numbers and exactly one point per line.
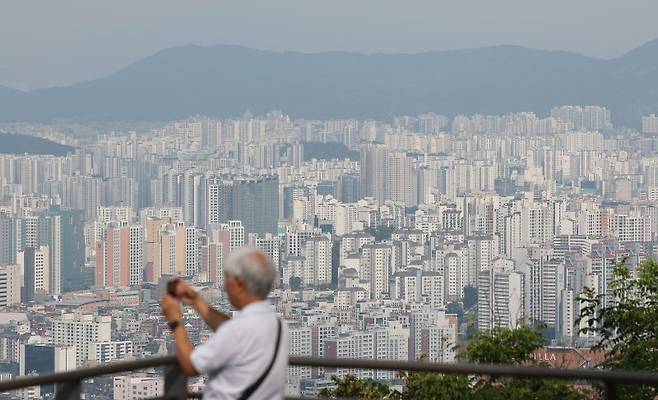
x=210, y=315
x=213, y=317
x=184, y=350
x=171, y=310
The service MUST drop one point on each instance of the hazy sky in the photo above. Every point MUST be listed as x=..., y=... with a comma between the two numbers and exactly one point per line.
x=44, y=43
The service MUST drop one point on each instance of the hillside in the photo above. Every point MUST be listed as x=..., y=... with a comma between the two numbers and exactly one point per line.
x=24, y=144
x=328, y=151
x=224, y=81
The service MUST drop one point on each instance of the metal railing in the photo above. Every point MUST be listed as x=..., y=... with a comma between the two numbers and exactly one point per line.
x=68, y=384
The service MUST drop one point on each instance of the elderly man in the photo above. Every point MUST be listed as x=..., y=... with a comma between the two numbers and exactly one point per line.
x=247, y=356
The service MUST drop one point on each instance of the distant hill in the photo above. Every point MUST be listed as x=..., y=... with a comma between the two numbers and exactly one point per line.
x=25, y=144
x=224, y=81
x=7, y=91
x=328, y=151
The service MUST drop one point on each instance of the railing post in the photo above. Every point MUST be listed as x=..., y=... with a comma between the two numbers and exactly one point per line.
x=175, y=383
x=67, y=390
x=610, y=390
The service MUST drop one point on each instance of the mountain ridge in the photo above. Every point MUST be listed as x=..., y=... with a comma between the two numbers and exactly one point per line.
x=226, y=80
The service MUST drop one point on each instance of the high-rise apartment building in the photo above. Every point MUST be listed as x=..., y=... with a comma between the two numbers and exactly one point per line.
x=191, y=249
x=120, y=257
x=220, y=200
x=269, y=244
x=317, y=261
x=501, y=297
x=300, y=344
x=256, y=203
x=10, y=285
x=231, y=235
x=348, y=188
x=376, y=267
x=137, y=386
x=401, y=179
x=8, y=239
x=387, y=174
x=82, y=331
x=452, y=261
x=165, y=253
x=433, y=335
x=72, y=255
x=154, y=252
x=650, y=124
x=44, y=359
x=211, y=263
x=583, y=118
x=545, y=282
x=373, y=161
x=104, y=352
x=36, y=267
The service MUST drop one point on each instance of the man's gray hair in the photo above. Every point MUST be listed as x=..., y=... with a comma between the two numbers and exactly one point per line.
x=254, y=267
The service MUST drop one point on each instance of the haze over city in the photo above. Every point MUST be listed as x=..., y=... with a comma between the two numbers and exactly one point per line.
x=58, y=43
x=396, y=185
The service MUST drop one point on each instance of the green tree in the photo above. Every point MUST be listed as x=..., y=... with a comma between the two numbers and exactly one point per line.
x=628, y=328
x=470, y=296
x=455, y=308
x=513, y=346
x=353, y=387
x=381, y=232
x=436, y=386
x=505, y=346
x=295, y=283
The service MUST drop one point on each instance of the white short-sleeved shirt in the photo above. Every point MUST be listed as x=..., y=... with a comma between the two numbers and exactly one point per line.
x=239, y=351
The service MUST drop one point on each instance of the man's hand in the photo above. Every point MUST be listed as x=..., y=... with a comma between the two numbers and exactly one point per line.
x=171, y=308
x=185, y=293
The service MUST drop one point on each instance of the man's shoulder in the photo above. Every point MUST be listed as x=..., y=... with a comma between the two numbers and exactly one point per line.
x=253, y=324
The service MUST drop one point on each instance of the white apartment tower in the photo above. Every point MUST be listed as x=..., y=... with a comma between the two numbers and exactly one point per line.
x=81, y=331
x=374, y=160
x=137, y=386
x=376, y=268
x=10, y=285
x=136, y=251
x=545, y=283
x=401, y=179
x=500, y=297
x=650, y=124
x=317, y=261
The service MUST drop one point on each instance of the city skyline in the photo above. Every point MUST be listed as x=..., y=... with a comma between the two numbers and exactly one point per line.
x=385, y=249
x=415, y=184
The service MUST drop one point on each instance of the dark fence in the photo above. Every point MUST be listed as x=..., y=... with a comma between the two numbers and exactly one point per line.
x=68, y=384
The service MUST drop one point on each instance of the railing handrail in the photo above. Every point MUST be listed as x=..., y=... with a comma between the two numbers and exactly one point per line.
x=86, y=373
x=510, y=370
x=516, y=371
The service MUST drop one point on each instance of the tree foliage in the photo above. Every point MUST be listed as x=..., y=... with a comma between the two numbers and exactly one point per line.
x=436, y=386
x=455, y=308
x=470, y=296
x=628, y=328
x=503, y=346
x=353, y=387
x=507, y=346
x=381, y=232
x=295, y=283
x=328, y=151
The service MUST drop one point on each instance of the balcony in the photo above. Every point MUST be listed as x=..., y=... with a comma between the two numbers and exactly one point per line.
x=68, y=384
